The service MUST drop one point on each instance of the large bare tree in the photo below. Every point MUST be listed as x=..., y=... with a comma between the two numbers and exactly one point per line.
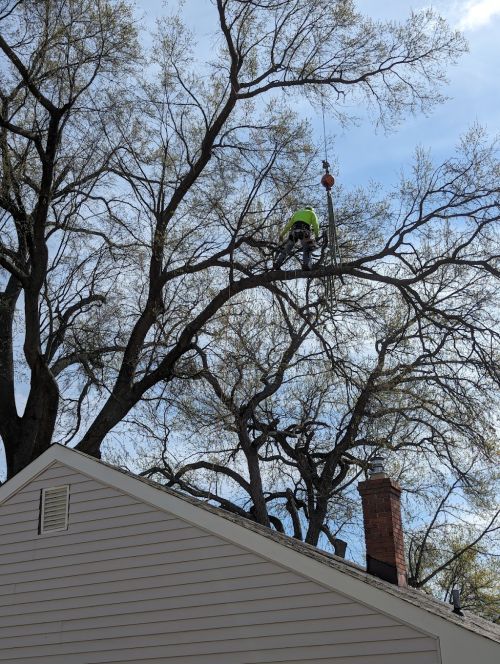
x=134, y=212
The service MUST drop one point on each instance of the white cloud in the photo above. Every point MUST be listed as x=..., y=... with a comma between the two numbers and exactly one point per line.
x=478, y=13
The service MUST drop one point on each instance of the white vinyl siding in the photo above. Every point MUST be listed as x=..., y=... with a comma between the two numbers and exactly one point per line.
x=129, y=584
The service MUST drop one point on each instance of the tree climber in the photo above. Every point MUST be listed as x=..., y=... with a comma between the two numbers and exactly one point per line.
x=300, y=227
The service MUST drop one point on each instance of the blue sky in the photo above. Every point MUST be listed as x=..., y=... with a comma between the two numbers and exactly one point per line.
x=474, y=90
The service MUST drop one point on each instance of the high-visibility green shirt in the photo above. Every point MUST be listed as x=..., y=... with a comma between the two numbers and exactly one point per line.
x=307, y=216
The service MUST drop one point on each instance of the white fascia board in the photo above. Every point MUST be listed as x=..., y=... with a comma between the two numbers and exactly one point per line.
x=457, y=643
x=29, y=473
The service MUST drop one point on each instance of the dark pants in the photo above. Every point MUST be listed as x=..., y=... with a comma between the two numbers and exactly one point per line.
x=300, y=232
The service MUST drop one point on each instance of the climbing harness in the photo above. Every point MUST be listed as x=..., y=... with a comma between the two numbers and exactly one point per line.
x=300, y=232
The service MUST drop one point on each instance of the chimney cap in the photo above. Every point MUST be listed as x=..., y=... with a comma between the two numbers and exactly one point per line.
x=377, y=469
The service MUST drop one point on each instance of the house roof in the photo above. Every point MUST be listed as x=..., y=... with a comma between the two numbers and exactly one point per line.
x=262, y=540
x=414, y=596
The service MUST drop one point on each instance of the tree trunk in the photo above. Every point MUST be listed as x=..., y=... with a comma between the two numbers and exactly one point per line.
x=256, y=490
x=316, y=521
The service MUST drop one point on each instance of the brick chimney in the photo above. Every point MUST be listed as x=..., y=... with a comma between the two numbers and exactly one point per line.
x=380, y=496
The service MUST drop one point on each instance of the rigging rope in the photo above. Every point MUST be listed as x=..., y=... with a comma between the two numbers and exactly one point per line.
x=324, y=129
x=333, y=249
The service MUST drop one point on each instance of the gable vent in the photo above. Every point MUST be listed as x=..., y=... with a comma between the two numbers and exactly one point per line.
x=54, y=509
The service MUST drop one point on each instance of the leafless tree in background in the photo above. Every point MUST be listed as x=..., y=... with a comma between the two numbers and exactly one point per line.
x=453, y=532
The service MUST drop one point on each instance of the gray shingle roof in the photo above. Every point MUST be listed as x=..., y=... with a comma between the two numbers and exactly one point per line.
x=419, y=598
